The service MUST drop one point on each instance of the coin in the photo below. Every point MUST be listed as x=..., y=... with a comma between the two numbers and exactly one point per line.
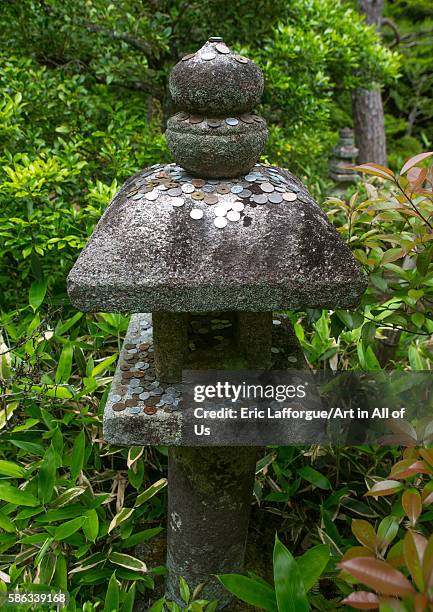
x=232, y=215
x=210, y=198
x=208, y=188
x=198, y=182
x=183, y=116
x=177, y=202
x=196, y=213
x=267, y=187
x=116, y=398
x=223, y=188
x=246, y=119
x=237, y=189
x=246, y=193
x=137, y=390
x=187, y=57
x=150, y=410
x=208, y=55
x=213, y=123
x=171, y=184
x=220, y=222
x=188, y=188
x=275, y=198
x=257, y=119
x=138, y=196
x=129, y=346
x=289, y=196
x=232, y=121
x=175, y=192
x=197, y=195
x=238, y=206
x=260, y=198
x=195, y=119
x=220, y=210
x=135, y=410
x=222, y=48
x=251, y=178
x=241, y=59
x=131, y=402
x=118, y=407
x=145, y=395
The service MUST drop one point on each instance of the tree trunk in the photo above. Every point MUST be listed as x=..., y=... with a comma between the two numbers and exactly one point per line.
x=369, y=126
x=367, y=103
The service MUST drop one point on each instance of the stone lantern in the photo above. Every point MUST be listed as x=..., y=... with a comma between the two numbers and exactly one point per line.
x=345, y=154
x=210, y=245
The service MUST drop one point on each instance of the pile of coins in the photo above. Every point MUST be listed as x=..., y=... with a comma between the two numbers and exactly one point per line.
x=218, y=122
x=229, y=199
x=137, y=389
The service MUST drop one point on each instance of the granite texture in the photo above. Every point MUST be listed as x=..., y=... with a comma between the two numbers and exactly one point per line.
x=225, y=151
x=168, y=427
x=219, y=87
x=153, y=257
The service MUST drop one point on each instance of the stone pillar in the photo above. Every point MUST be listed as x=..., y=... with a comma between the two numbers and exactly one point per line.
x=209, y=500
x=170, y=334
x=254, y=338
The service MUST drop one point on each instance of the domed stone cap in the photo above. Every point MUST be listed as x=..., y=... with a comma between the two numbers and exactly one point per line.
x=216, y=82
x=171, y=242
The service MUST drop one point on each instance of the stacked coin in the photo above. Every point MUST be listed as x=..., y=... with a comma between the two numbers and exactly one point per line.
x=223, y=202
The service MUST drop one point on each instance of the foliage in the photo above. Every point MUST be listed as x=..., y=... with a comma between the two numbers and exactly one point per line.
x=401, y=575
x=293, y=578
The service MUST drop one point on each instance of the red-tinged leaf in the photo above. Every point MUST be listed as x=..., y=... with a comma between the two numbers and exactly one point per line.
x=386, y=487
x=374, y=170
x=412, y=505
x=400, y=467
x=428, y=500
x=364, y=533
x=392, y=255
x=357, y=551
x=420, y=602
x=416, y=178
x=362, y=600
x=401, y=426
x=414, y=546
x=413, y=161
x=415, y=468
x=378, y=575
x=427, y=455
x=410, y=453
x=397, y=440
x=427, y=565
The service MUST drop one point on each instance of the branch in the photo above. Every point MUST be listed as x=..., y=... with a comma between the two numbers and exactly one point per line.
x=396, y=31
x=137, y=43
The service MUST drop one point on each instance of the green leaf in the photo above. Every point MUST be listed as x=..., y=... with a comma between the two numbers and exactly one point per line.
x=77, y=459
x=121, y=516
x=112, y=596
x=314, y=477
x=289, y=588
x=251, y=591
x=9, y=468
x=150, y=492
x=312, y=564
x=67, y=529
x=128, y=603
x=6, y=523
x=424, y=259
x=47, y=475
x=64, y=367
x=184, y=589
x=17, y=496
x=158, y=606
x=127, y=561
x=101, y=367
x=91, y=526
x=37, y=293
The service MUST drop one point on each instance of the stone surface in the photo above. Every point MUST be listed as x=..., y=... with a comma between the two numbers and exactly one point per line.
x=209, y=501
x=172, y=426
x=219, y=87
x=149, y=256
x=224, y=151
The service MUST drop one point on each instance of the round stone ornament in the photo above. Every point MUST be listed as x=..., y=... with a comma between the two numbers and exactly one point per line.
x=216, y=82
